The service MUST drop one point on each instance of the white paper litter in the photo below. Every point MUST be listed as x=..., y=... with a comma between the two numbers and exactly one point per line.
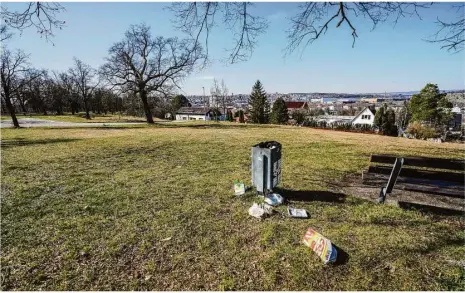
x=297, y=213
x=260, y=210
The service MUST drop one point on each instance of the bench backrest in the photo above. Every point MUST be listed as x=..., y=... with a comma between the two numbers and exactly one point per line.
x=438, y=173
x=435, y=163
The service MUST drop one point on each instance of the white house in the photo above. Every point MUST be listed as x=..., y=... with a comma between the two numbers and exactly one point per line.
x=332, y=119
x=196, y=113
x=364, y=117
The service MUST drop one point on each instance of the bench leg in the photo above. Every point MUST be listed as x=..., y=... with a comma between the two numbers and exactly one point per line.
x=392, y=180
x=382, y=195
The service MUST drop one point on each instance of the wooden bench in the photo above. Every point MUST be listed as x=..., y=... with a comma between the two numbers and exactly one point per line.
x=429, y=175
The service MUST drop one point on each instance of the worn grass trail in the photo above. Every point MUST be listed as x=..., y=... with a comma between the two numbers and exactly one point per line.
x=153, y=208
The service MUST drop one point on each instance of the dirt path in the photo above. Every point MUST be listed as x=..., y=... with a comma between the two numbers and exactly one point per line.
x=35, y=122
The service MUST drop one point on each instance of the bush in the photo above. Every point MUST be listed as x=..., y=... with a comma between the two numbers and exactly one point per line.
x=421, y=131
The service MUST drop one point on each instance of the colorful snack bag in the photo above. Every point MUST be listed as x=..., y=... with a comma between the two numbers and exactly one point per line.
x=321, y=246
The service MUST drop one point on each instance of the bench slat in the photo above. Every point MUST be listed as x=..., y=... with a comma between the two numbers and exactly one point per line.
x=449, y=164
x=409, y=184
x=421, y=174
x=434, y=190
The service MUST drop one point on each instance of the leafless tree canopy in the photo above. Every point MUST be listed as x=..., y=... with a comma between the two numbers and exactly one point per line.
x=221, y=94
x=144, y=64
x=316, y=17
x=196, y=18
x=13, y=65
x=313, y=21
x=451, y=33
x=41, y=15
x=85, y=78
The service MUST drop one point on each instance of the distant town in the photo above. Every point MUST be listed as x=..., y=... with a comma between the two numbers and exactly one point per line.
x=241, y=100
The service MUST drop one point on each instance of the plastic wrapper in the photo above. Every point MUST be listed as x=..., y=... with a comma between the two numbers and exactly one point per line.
x=274, y=199
x=239, y=188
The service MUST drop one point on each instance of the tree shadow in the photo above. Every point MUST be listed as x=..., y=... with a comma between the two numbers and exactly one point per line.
x=8, y=143
x=212, y=125
x=430, y=209
x=311, y=195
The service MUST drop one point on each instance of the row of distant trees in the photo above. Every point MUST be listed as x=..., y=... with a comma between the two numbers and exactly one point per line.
x=139, y=70
x=426, y=115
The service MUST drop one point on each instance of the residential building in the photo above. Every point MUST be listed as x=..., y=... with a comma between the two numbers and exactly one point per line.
x=292, y=106
x=366, y=116
x=196, y=113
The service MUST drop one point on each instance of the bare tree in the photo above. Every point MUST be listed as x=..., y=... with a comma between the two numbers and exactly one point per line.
x=221, y=94
x=196, y=18
x=144, y=65
x=85, y=78
x=29, y=87
x=13, y=64
x=41, y=15
x=69, y=90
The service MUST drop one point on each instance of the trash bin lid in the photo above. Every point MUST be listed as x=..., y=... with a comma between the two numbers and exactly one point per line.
x=268, y=145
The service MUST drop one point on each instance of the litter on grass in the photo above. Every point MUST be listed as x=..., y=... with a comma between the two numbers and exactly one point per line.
x=321, y=245
x=239, y=187
x=297, y=213
x=274, y=199
x=260, y=210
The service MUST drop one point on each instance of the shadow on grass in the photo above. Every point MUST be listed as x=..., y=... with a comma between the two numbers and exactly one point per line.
x=94, y=127
x=8, y=143
x=430, y=209
x=212, y=125
x=342, y=256
x=312, y=195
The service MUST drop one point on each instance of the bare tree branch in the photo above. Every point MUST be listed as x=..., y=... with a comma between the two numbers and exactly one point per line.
x=4, y=33
x=197, y=18
x=41, y=15
x=451, y=34
x=315, y=18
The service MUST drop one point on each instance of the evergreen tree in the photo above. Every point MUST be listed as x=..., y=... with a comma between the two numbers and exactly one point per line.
x=385, y=120
x=258, y=104
x=299, y=116
x=177, y=103
x=430, y=106
x=279, y=113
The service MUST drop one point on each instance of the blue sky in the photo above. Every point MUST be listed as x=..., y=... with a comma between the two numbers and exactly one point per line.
x=386, y=59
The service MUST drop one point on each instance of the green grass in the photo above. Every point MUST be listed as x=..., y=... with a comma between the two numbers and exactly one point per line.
x=153, y=208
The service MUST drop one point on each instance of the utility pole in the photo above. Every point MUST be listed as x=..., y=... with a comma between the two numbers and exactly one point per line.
x=204, y=98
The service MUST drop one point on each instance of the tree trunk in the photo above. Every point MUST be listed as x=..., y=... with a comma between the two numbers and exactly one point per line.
x=86, y=108
x=23, y=106
x=148, y=113
x=11, y=109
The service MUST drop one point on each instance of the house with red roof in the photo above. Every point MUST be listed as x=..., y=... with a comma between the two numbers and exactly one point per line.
x=292, y=106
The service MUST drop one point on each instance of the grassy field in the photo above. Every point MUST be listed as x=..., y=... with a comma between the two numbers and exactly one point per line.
x=152, y=208
x=96, y=118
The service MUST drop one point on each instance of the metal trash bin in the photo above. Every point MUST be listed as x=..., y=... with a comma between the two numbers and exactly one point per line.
x=266, y=166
